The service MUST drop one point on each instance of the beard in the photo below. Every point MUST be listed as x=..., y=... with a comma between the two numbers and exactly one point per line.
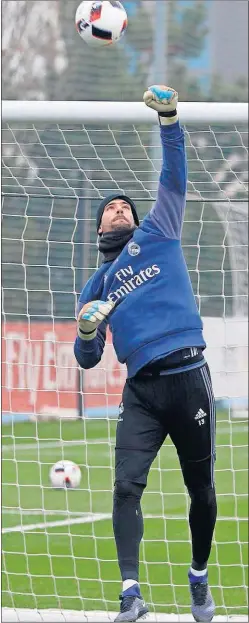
x=119, y=226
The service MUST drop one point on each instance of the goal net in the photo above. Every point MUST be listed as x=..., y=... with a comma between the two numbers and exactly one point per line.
x=59, y=160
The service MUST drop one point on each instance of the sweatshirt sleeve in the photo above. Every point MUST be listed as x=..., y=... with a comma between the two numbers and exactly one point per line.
x=89, y=352
x=168, y=212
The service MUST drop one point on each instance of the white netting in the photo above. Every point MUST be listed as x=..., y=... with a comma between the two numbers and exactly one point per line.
x=58, y=550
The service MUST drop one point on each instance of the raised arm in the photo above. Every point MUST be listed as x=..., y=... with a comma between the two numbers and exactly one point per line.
x=168, y=212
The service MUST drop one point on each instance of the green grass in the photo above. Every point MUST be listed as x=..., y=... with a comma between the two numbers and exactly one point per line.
x=74, y=566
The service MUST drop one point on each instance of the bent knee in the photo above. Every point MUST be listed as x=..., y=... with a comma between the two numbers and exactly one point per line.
x=126, y=488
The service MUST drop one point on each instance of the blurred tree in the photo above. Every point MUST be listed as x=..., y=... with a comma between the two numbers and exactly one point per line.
x=186, y=39
x=188, y=29
x=220, y=91
x=32, y=46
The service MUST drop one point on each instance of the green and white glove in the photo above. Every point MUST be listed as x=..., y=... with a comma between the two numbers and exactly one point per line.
x=164, y=100
x=90, y=316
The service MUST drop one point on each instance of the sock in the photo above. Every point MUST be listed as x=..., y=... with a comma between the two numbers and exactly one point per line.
x=128, y=584
x=198, y=574
x=130, y=589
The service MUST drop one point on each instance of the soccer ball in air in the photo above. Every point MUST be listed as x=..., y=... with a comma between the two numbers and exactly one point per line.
x=65, y=474
x=101, y=23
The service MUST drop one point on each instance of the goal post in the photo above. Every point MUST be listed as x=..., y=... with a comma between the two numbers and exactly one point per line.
x=58, y=160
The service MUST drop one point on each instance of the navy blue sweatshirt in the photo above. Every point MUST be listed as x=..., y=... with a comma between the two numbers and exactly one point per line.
x=155, y=313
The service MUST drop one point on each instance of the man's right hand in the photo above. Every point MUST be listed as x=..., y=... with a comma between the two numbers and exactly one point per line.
x=90, y=316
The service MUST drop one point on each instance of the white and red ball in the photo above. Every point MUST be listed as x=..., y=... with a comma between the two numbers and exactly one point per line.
x=101, y=23
x=65, y=475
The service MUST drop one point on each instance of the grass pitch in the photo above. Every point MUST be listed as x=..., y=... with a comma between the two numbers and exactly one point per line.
x=57, y=561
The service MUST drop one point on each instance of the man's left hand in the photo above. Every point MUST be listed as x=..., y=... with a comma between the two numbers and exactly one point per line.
x=164, y=100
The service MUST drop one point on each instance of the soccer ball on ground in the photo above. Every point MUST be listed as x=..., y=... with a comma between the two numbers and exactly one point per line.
x=65, y=474
x=101, y=23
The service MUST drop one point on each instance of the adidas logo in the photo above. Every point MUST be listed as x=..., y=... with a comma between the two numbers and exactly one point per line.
x=200, y=414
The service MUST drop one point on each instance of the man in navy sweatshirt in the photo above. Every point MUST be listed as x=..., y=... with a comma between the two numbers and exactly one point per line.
x=143, y=292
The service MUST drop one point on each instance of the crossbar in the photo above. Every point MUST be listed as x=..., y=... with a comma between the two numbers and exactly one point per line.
x=117, y=112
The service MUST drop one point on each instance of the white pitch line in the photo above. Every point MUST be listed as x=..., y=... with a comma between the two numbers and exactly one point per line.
x=53, y=524
x=91, y=518
x=43, y=445
x=39, y=511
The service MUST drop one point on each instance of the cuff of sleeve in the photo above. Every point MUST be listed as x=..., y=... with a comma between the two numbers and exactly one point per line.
x=87, y=336
x=168, y=117
x=88, y=346
x=172, y=131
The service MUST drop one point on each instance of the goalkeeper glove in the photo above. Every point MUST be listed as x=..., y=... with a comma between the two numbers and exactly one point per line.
x=90, y=316
x=164, y=100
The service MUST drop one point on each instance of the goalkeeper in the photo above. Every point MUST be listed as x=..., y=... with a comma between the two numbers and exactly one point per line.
x=143, y=291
